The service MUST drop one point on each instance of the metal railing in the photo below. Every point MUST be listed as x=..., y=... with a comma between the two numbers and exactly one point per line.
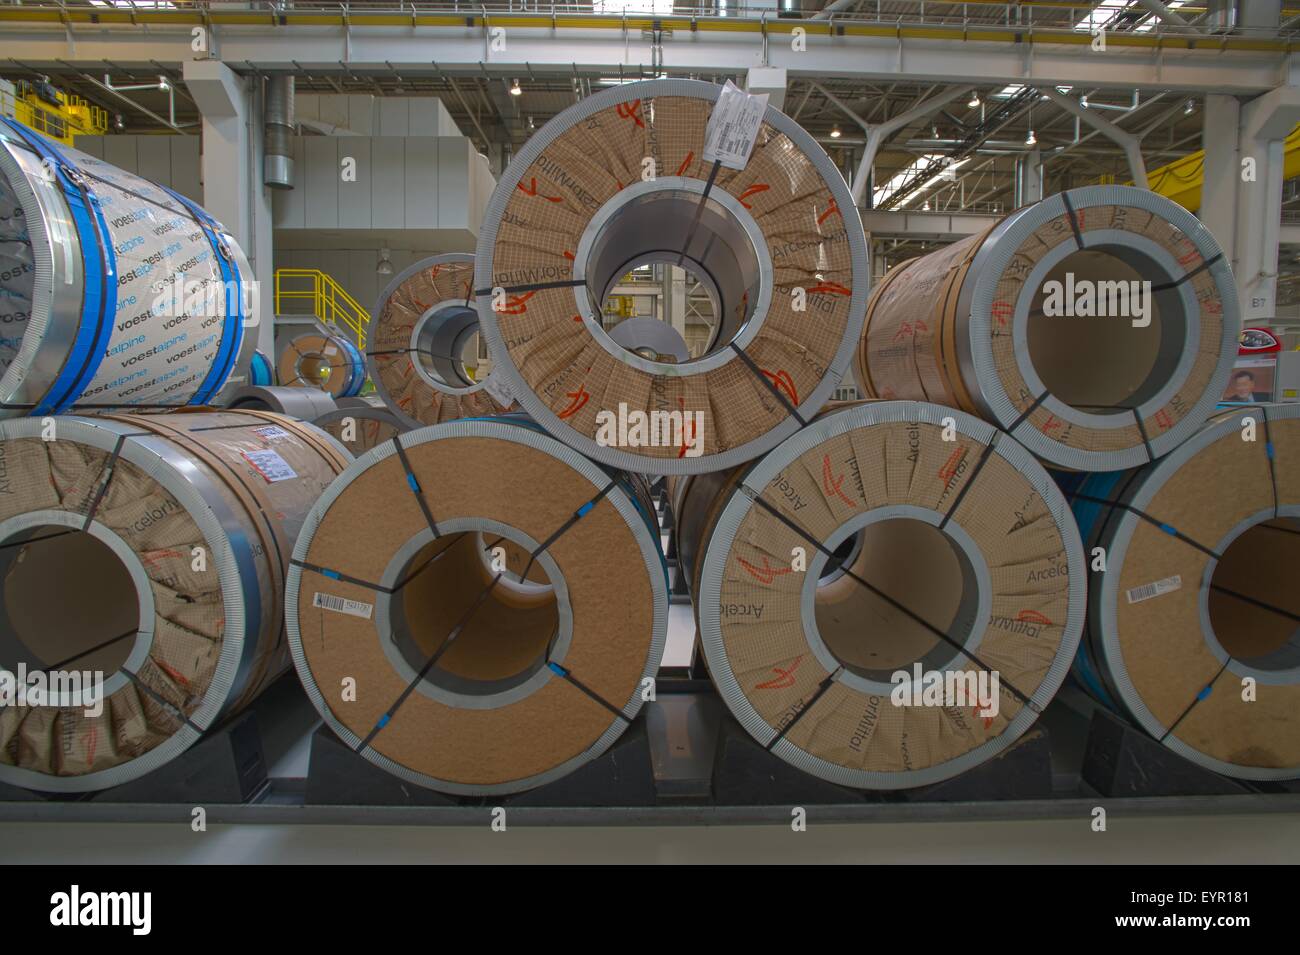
x=326, y=300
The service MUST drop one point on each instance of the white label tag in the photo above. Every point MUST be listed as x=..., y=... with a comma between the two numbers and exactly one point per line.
x=272, y=432
x=354, y=608
x=270, y=465
x=1155, y=589
x=496, y=386
x=733, y=126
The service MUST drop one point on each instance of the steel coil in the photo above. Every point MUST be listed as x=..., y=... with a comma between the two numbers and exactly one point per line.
x=620, y=180
x=305, y=404
x=151, y=550
x=321, y=360
x=117, y=291
x=982, y=325
x=1192, y=617
x=425, y=324
x=473, y=675
x=869, y=558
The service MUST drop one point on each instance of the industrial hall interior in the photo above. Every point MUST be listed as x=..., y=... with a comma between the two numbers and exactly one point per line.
x=631, y=431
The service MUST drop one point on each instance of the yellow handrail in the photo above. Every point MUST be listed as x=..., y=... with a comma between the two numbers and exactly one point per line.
x=329, y=301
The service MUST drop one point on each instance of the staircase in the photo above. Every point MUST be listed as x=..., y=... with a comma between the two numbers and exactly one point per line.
x=313, y=293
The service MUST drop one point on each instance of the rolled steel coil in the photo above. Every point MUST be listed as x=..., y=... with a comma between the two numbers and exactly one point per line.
x=1192, y=618
x=117, y=291
x=620, y=180
x=424, y=323
x=359, y=427
x=867, y=557
x=321, y=360
x=975, y=326
x=305, y=404
x=473, y=674
x=152, y=550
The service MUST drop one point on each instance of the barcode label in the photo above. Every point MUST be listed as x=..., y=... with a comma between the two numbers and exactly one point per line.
x=272, y=432
x=354, y=608
x=1154, y=589
x=270, y=465
x=733, y=126
x=496, y=386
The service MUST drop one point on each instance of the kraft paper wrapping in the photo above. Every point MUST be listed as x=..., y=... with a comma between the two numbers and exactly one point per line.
x=949, y=327
x=60, y=748
x=611, y=579
x=547, y=200
x=875, y=459
x=439, y=280
x=1156, y=613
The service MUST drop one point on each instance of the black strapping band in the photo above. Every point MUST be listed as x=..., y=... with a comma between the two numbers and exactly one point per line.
x=767, y=383
x=1204, y=692
x=414, y=485
x=699, y=210
x=1155, y=522
x=335, y=575
x=568, y=675
x=969, y=482
x=1074, y=222
x=1207, y=263
x=559, y=531
x=153, y=695
x=1142, y=430
x=1024, y=415
x=388, y=714
x=821, y=690
x=538, y=287
x=110, y=469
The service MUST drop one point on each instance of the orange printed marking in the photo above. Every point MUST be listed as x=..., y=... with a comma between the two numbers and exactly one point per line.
x=688, y=425
x=435, y=269
x=172, y=673
x=765, y=574
x=753, y=191
x=531, y=190
x=631, y=111
x=686, y=163
x=516, y=305
x=949, y=469
x=908, y=330
x=576, y=401
x=784, y=678
x=783, y=382
x=1164, y=419
x=833, y=484
x=1033, y=616
x=92, y=743
x=1190, y=257
x=1002, y=311
x=829, y=288
x=832, y=209
x=569, y=255
x=577, y=318
x=1053, y=423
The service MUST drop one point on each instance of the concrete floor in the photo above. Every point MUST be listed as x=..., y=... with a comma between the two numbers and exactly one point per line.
x=1273, y=838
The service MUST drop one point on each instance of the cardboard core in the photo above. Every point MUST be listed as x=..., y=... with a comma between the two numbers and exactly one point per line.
x=503, y=643
x=446, y=346
x=1253, y=601
x=919, y=567
x=673, y=227
x=1102, y=364
x=41, y=627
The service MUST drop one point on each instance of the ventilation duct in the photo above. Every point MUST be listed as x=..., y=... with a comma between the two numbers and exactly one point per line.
x=277, y=165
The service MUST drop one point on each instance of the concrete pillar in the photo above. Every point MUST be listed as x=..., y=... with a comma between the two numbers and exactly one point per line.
x=1241, y=199
x=232, y=172
x=1029, y=178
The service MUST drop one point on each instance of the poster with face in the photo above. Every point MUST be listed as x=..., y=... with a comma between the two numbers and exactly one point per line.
x=1253, y=379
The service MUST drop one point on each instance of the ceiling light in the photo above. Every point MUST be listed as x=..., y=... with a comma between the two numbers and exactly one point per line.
x=974, y=100
x=925, y=206
x=1031, y=139
x=385, y=266
x=163, y=84
x=1083, y=101
x=119, y=122
x=515, y=89
x=835, y=133
x=1190, y=108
